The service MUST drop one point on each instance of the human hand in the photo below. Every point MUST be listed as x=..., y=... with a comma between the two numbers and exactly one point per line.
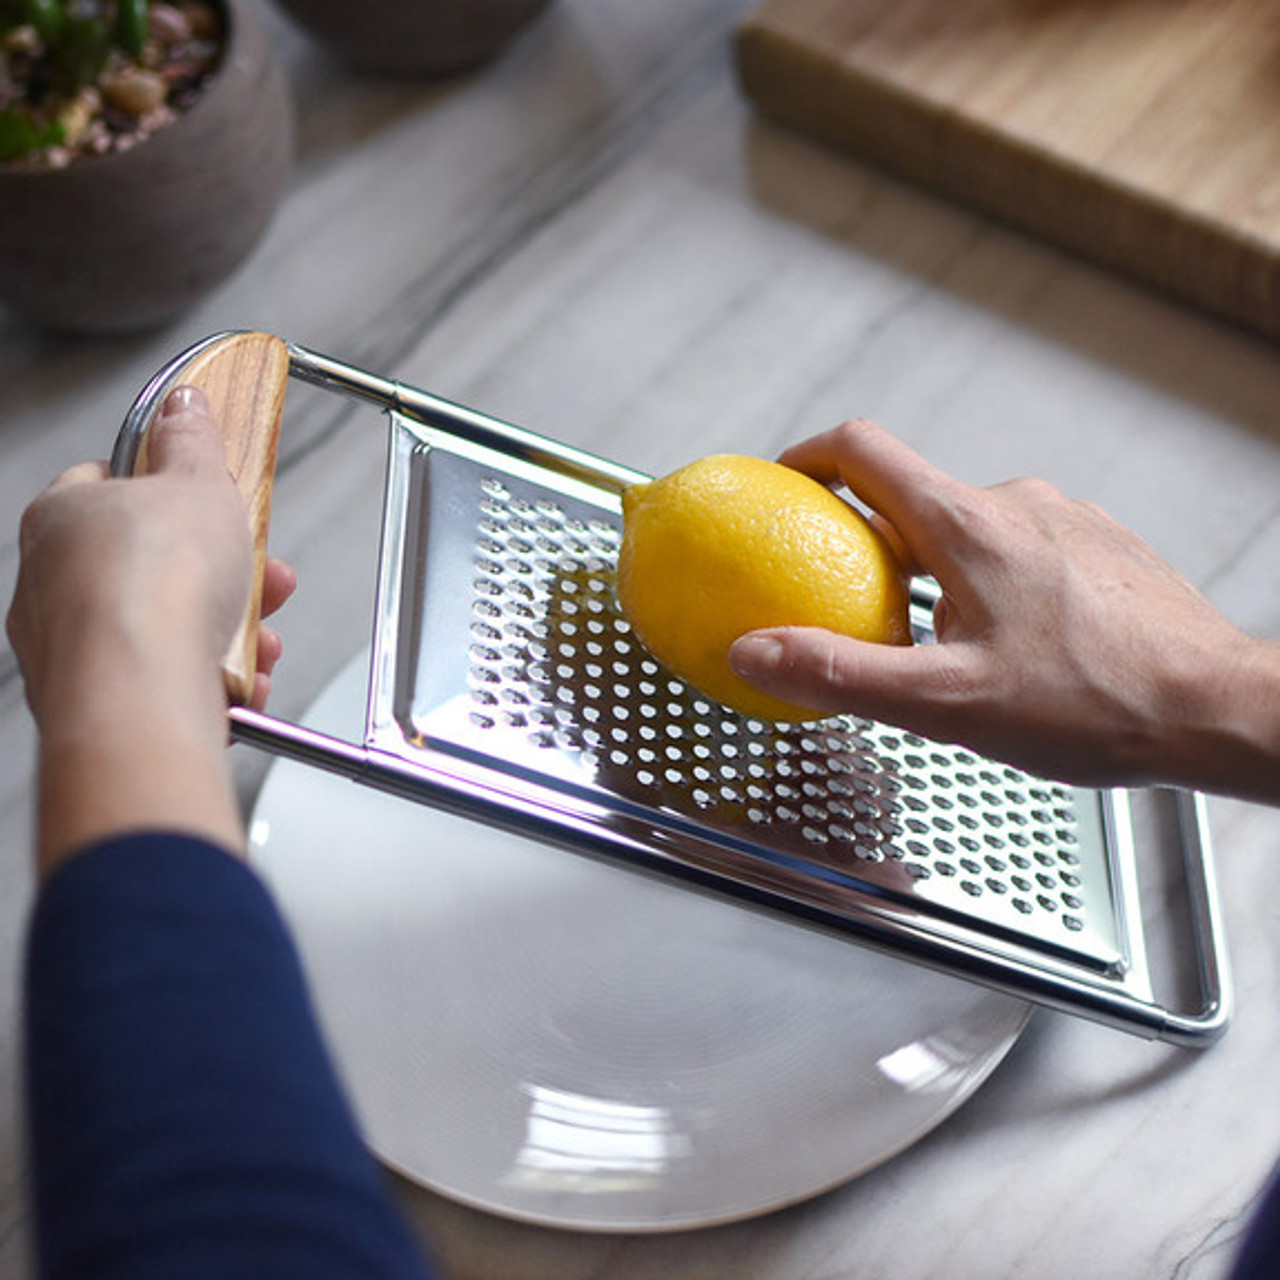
x=1065, y=646
x=149, y=573
x=128, y=595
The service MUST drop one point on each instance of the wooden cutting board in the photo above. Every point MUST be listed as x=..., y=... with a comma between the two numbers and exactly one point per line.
x=1142, y=134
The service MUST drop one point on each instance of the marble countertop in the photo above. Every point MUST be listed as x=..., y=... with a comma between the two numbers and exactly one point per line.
x=596, y=239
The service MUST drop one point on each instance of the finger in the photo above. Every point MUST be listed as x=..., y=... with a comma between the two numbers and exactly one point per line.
x=81, y=473
x=42, y=510
x=261, y=692
x=279, y=581
x=925, y=688
x=925, y=505
x=184, y=439
x=270, y=649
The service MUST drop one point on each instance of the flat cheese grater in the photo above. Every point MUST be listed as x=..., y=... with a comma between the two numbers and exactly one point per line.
x=506, y=686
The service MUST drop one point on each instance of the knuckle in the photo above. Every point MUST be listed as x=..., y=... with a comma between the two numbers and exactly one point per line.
x=856, y=426
x=852, y=433
x=1092, y=512
x=28, y=524
x=1032, y=490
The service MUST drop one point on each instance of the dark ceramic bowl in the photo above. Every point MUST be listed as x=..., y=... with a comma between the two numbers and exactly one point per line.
x=413, y=37
x=125, y=242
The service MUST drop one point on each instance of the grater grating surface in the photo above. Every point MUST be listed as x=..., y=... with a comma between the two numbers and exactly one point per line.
x=519, y=578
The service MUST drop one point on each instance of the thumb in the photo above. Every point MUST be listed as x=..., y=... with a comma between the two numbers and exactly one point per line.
x=917, y=687
x=184, y=439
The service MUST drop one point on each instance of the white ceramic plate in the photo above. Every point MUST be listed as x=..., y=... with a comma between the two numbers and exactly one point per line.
x=561, y=1041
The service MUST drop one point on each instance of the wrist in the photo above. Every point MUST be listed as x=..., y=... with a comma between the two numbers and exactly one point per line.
x=133, y=745
x=1235, y=747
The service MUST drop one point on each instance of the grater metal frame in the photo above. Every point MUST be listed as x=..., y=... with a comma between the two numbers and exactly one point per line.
x=860, y=874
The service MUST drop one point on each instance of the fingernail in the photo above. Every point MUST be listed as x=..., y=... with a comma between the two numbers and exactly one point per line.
x=753, y=652
x=184, y=398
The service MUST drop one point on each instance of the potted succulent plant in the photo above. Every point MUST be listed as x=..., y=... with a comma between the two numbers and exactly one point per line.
x=143, y=148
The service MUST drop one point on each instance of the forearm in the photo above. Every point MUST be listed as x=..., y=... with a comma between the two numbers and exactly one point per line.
x=128, y=594
x=133, y=742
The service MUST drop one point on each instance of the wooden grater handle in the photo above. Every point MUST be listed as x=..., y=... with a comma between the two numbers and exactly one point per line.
x=244, y=376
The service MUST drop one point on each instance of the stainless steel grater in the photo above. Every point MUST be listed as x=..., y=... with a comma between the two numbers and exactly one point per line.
x=505, y=685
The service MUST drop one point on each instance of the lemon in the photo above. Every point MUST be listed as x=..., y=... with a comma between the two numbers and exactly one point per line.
x=728, y=544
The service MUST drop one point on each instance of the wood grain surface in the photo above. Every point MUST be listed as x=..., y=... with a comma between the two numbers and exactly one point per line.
x=1142, y=134
x=244, y=376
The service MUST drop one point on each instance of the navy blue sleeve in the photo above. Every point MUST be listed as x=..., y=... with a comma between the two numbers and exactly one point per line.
x=1260, y=1257
x=184, y=1117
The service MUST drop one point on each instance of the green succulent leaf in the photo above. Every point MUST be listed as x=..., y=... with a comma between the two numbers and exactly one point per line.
x=133, y=26
x=82, y=53
x=49, y=17
x=20, y=134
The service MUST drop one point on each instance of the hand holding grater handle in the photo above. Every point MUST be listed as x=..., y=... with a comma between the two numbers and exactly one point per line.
x=244, y=376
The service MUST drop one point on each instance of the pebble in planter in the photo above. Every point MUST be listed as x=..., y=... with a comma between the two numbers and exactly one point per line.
x=143, y=150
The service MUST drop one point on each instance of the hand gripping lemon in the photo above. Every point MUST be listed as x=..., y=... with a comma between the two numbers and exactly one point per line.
x=729, y=544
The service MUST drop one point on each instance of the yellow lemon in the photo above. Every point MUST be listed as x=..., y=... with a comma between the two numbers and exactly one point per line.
x=728, y=544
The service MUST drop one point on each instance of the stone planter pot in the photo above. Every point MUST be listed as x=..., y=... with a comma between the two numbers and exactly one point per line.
x=413, y=37
x=126, y=241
